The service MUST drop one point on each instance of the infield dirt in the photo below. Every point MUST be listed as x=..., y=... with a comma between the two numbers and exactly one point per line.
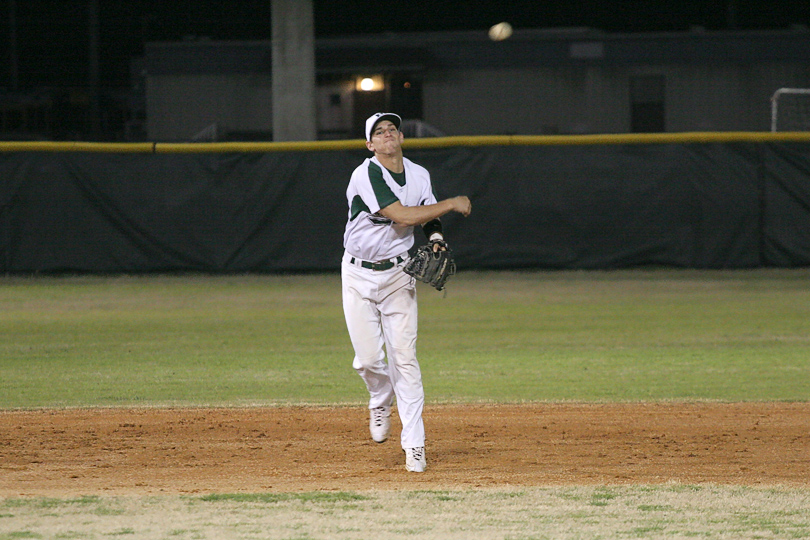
x=230, y=450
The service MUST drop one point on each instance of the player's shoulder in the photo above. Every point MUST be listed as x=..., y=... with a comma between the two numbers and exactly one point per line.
x=414, y=166
x=364, y=167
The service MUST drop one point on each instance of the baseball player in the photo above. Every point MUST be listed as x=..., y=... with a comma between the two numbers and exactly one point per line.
x=388, y=195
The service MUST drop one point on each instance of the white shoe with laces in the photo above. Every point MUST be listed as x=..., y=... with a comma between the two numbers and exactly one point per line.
x=415, y=459
x=380, y=423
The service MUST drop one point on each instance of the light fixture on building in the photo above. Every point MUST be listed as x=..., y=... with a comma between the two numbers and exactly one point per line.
x=370, y=84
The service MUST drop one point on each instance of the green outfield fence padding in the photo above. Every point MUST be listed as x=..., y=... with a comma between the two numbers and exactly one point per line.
x=692, y=200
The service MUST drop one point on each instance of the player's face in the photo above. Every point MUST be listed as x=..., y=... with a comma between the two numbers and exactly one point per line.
x=385, y=139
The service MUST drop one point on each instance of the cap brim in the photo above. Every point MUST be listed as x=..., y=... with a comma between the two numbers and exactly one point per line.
x=393, y=118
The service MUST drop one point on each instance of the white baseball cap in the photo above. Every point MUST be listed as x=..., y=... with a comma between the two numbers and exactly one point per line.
x=376, y=118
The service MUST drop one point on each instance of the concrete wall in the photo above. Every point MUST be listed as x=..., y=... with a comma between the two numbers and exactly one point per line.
x=593, y=99
x=335, y=104
x=721, y=83
x=180, y=106
x=527, y=102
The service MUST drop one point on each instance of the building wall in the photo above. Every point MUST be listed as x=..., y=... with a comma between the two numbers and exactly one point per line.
x=593, y=99
x=566, y=100
x=335, y=103
x=727, y=98
x=180, y=106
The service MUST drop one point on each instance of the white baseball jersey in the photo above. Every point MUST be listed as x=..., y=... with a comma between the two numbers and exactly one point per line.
x=369, y=235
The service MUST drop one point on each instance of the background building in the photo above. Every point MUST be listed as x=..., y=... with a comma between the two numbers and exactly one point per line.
x=563, y=81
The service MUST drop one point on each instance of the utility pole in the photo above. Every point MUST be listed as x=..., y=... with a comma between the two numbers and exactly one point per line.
x=731, y=15
x=93, y=81
x=13, y=55
x=293, y=71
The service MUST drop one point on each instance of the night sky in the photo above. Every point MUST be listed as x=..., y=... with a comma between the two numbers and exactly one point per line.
x=52, y=38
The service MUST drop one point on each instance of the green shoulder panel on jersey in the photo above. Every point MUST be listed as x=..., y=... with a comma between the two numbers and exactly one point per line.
x=358, y=206
x=385, y=196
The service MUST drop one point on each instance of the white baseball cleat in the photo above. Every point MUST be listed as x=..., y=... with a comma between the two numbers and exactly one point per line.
x=380, y=423
x=415, y=460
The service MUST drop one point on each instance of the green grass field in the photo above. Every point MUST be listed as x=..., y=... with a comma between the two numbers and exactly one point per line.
x=498, y=337
x=502, y=337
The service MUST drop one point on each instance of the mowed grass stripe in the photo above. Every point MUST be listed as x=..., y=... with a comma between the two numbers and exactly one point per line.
x=497, y=336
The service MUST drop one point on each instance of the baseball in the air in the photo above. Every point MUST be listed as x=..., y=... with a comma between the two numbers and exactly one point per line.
x=500, y=31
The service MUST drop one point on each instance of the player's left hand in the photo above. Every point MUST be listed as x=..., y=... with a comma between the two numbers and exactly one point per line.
x=438, y=245
x=432, y=264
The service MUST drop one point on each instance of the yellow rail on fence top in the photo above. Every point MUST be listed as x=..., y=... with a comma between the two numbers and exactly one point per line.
x=292, y=146
x=68, y=146
x=621, y=138
x=432, y=142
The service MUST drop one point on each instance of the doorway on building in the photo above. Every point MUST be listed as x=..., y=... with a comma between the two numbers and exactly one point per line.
x=402, y=95
x=406, y=96
x=647, y=104
x=366, y=103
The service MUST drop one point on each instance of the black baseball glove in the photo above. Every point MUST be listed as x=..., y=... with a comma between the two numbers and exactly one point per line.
x=432, y=267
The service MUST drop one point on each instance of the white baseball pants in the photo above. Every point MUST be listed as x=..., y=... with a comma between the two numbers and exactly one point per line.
x=381, y=316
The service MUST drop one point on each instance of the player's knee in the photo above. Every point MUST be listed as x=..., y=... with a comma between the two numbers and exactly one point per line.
x=372, y=363
x=405, y=359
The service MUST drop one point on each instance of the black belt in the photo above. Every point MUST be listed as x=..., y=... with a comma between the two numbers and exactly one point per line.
x=382, y=265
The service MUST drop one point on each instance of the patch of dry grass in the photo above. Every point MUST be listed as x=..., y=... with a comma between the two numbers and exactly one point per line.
x=673, y=511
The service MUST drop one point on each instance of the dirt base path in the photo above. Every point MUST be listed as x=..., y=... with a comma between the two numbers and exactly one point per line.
x=149, y=451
